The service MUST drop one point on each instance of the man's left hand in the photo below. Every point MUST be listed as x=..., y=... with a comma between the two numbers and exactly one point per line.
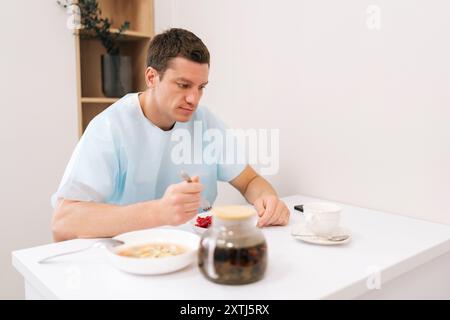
x=271, y=211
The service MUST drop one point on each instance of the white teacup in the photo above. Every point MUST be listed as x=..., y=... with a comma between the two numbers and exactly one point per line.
x=322, y=218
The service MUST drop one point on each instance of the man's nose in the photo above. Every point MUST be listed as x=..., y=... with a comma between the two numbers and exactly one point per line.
x=193, y=97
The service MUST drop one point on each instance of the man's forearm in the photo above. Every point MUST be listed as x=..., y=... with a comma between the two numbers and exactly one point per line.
x=257, y=188
x=76, y=219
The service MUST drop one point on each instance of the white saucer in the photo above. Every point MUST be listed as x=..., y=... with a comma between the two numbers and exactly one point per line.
x=198, y=230
x=193, y=222
x=309, y=236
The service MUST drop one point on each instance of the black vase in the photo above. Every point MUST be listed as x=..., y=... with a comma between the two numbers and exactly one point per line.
x=116, y=75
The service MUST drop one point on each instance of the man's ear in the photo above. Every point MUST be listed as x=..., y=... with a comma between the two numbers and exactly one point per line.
x=151, y=77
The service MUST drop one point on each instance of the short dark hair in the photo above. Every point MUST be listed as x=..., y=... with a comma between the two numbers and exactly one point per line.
x=174, y=43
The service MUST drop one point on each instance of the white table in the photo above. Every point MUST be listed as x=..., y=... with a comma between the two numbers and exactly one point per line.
x=409, y=258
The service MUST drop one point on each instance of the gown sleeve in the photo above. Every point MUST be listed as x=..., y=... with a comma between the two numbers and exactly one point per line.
x=93, y=169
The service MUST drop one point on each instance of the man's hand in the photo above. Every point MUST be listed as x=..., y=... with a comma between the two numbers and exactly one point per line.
x=272, y=211
x=181, y=202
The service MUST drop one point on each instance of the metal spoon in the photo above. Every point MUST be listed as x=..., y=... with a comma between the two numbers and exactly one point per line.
x=204, y=204
x=102, y=243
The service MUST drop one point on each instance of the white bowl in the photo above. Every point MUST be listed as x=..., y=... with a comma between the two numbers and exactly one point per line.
x=148, y=266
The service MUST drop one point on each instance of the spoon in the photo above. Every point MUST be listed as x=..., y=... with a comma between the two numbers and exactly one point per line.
x=102, y=243
x=204, y=203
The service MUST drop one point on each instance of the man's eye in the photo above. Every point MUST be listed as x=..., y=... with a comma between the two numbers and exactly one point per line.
x=183, y=85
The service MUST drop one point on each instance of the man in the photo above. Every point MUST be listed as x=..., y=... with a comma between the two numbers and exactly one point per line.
x=123, y=176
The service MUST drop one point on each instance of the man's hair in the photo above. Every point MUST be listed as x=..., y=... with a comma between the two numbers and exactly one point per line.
x=174, y=43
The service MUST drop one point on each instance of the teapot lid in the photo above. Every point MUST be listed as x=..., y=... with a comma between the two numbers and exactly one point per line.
x=233, y=212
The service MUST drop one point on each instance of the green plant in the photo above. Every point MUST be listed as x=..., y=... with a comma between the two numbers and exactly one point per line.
x=94, y=25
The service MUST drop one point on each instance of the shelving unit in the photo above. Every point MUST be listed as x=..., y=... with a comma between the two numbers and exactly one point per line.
x=133, y=42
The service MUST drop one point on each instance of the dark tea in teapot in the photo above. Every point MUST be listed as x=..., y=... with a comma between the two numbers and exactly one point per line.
x=233, y=251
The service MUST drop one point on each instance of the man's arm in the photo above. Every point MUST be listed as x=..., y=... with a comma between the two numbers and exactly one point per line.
x=80, y=219
x=262, y=195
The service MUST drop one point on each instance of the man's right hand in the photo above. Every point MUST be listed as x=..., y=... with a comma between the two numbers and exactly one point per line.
x=86, y=219
x=181, y=202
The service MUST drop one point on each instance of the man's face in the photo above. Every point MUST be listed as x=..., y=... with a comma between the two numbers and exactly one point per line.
x=179, y=92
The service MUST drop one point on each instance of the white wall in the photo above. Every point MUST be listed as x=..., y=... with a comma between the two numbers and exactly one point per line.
x=363, y=113
x=38, y=128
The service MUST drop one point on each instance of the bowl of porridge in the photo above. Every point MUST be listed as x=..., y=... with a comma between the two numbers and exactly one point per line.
x=154, y=251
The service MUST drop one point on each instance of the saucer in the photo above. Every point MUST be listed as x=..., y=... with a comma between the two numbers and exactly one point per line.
x=193, y=222
x=199, y=230
x=307, y=235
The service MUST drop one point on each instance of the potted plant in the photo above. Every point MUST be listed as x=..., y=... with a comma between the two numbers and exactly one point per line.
x=116, y=68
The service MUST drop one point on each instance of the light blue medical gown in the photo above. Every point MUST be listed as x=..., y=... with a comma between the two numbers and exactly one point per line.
x=122, y=158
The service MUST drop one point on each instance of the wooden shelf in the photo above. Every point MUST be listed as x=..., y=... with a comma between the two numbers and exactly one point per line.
x=128, y=35
x=98, y=100
x=133, y=43
x=132, y=35
x=90, y=65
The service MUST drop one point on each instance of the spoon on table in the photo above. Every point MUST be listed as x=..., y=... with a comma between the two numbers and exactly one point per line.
x=102, y=243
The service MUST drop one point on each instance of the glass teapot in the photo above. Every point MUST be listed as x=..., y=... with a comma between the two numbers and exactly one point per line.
x=233, y=250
